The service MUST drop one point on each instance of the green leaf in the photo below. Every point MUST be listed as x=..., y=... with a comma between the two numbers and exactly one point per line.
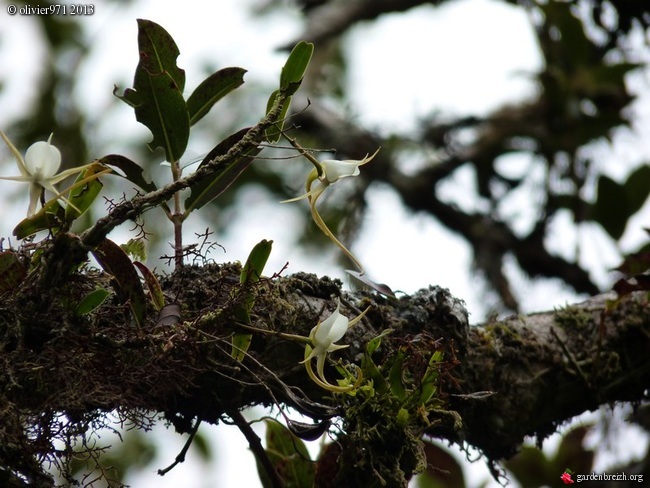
x=12, y=271
x=429, y=385
x=616, y=203
x=375, y=342
x=224, y=175
x=91, y=301
x=211, y=90
x=132, y=171
x=289, y=456
x=203, y=446
x=135, y=248
x=49, y=217
x=256, y=261
x=115, y=262
x=296, y=66
x=443, y=469
x=250, y=273
x=84, y=191
x=158, y=52
x=637, y=189
x=241, y=342
x=610, y=207
x=290, y=79
x=530, y=467
x=368, y=366
x=571, y=451
x=157, y=93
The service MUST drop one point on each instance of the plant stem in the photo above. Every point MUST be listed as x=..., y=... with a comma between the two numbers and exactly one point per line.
x=257, y=448
x=177, y=218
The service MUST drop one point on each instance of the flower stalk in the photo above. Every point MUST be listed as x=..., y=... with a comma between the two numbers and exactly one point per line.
x=324, y=174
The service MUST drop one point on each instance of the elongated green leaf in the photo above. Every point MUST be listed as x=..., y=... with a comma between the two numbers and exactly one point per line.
x=296, y=66
x=290, y=79
x=256, y=261
x=211, y=90
x=224, y=174
x=241, y=341
x=115, y=262
x=49, y=217
x=429, y=385
x=91, y=301
x=158, y=52
x=157, y=93
x=250, y=273
x=84, y=192
x=289, y=456
x=132, y=171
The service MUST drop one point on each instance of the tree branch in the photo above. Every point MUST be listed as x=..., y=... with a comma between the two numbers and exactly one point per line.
x=54, y=361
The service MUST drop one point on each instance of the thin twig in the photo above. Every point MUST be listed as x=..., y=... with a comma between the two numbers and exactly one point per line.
x=256, y=446
x=181, y=455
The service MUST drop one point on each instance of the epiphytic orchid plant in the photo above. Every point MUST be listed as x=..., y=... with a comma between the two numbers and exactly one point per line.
x=323, y=338
x=158, y=99
x=324, y=174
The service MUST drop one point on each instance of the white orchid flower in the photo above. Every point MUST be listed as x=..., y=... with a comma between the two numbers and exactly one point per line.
x=323, y=175
x=323, y=338
x=334, y=170
x=38, y=168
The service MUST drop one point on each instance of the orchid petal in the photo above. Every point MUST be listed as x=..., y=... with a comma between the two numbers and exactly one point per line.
x=339, y=328
x=335, y=169
x=17, y=155
x=23, y=179
x=39, y=168
x=42, y=160
x=35, y=192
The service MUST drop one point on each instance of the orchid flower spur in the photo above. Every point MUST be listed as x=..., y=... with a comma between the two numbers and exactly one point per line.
x=38, y=168
x=323, y=175
x=323, y=338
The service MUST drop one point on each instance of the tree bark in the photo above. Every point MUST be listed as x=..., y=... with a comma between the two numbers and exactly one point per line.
x=505, y=379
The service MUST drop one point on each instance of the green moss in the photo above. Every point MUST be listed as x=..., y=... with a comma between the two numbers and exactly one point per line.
x=572, y=318
x=500, y=331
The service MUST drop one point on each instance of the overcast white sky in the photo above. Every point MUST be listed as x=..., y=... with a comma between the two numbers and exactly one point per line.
x=467, y=56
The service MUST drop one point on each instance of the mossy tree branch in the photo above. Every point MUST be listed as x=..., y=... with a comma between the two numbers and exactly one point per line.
x=538, y=370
